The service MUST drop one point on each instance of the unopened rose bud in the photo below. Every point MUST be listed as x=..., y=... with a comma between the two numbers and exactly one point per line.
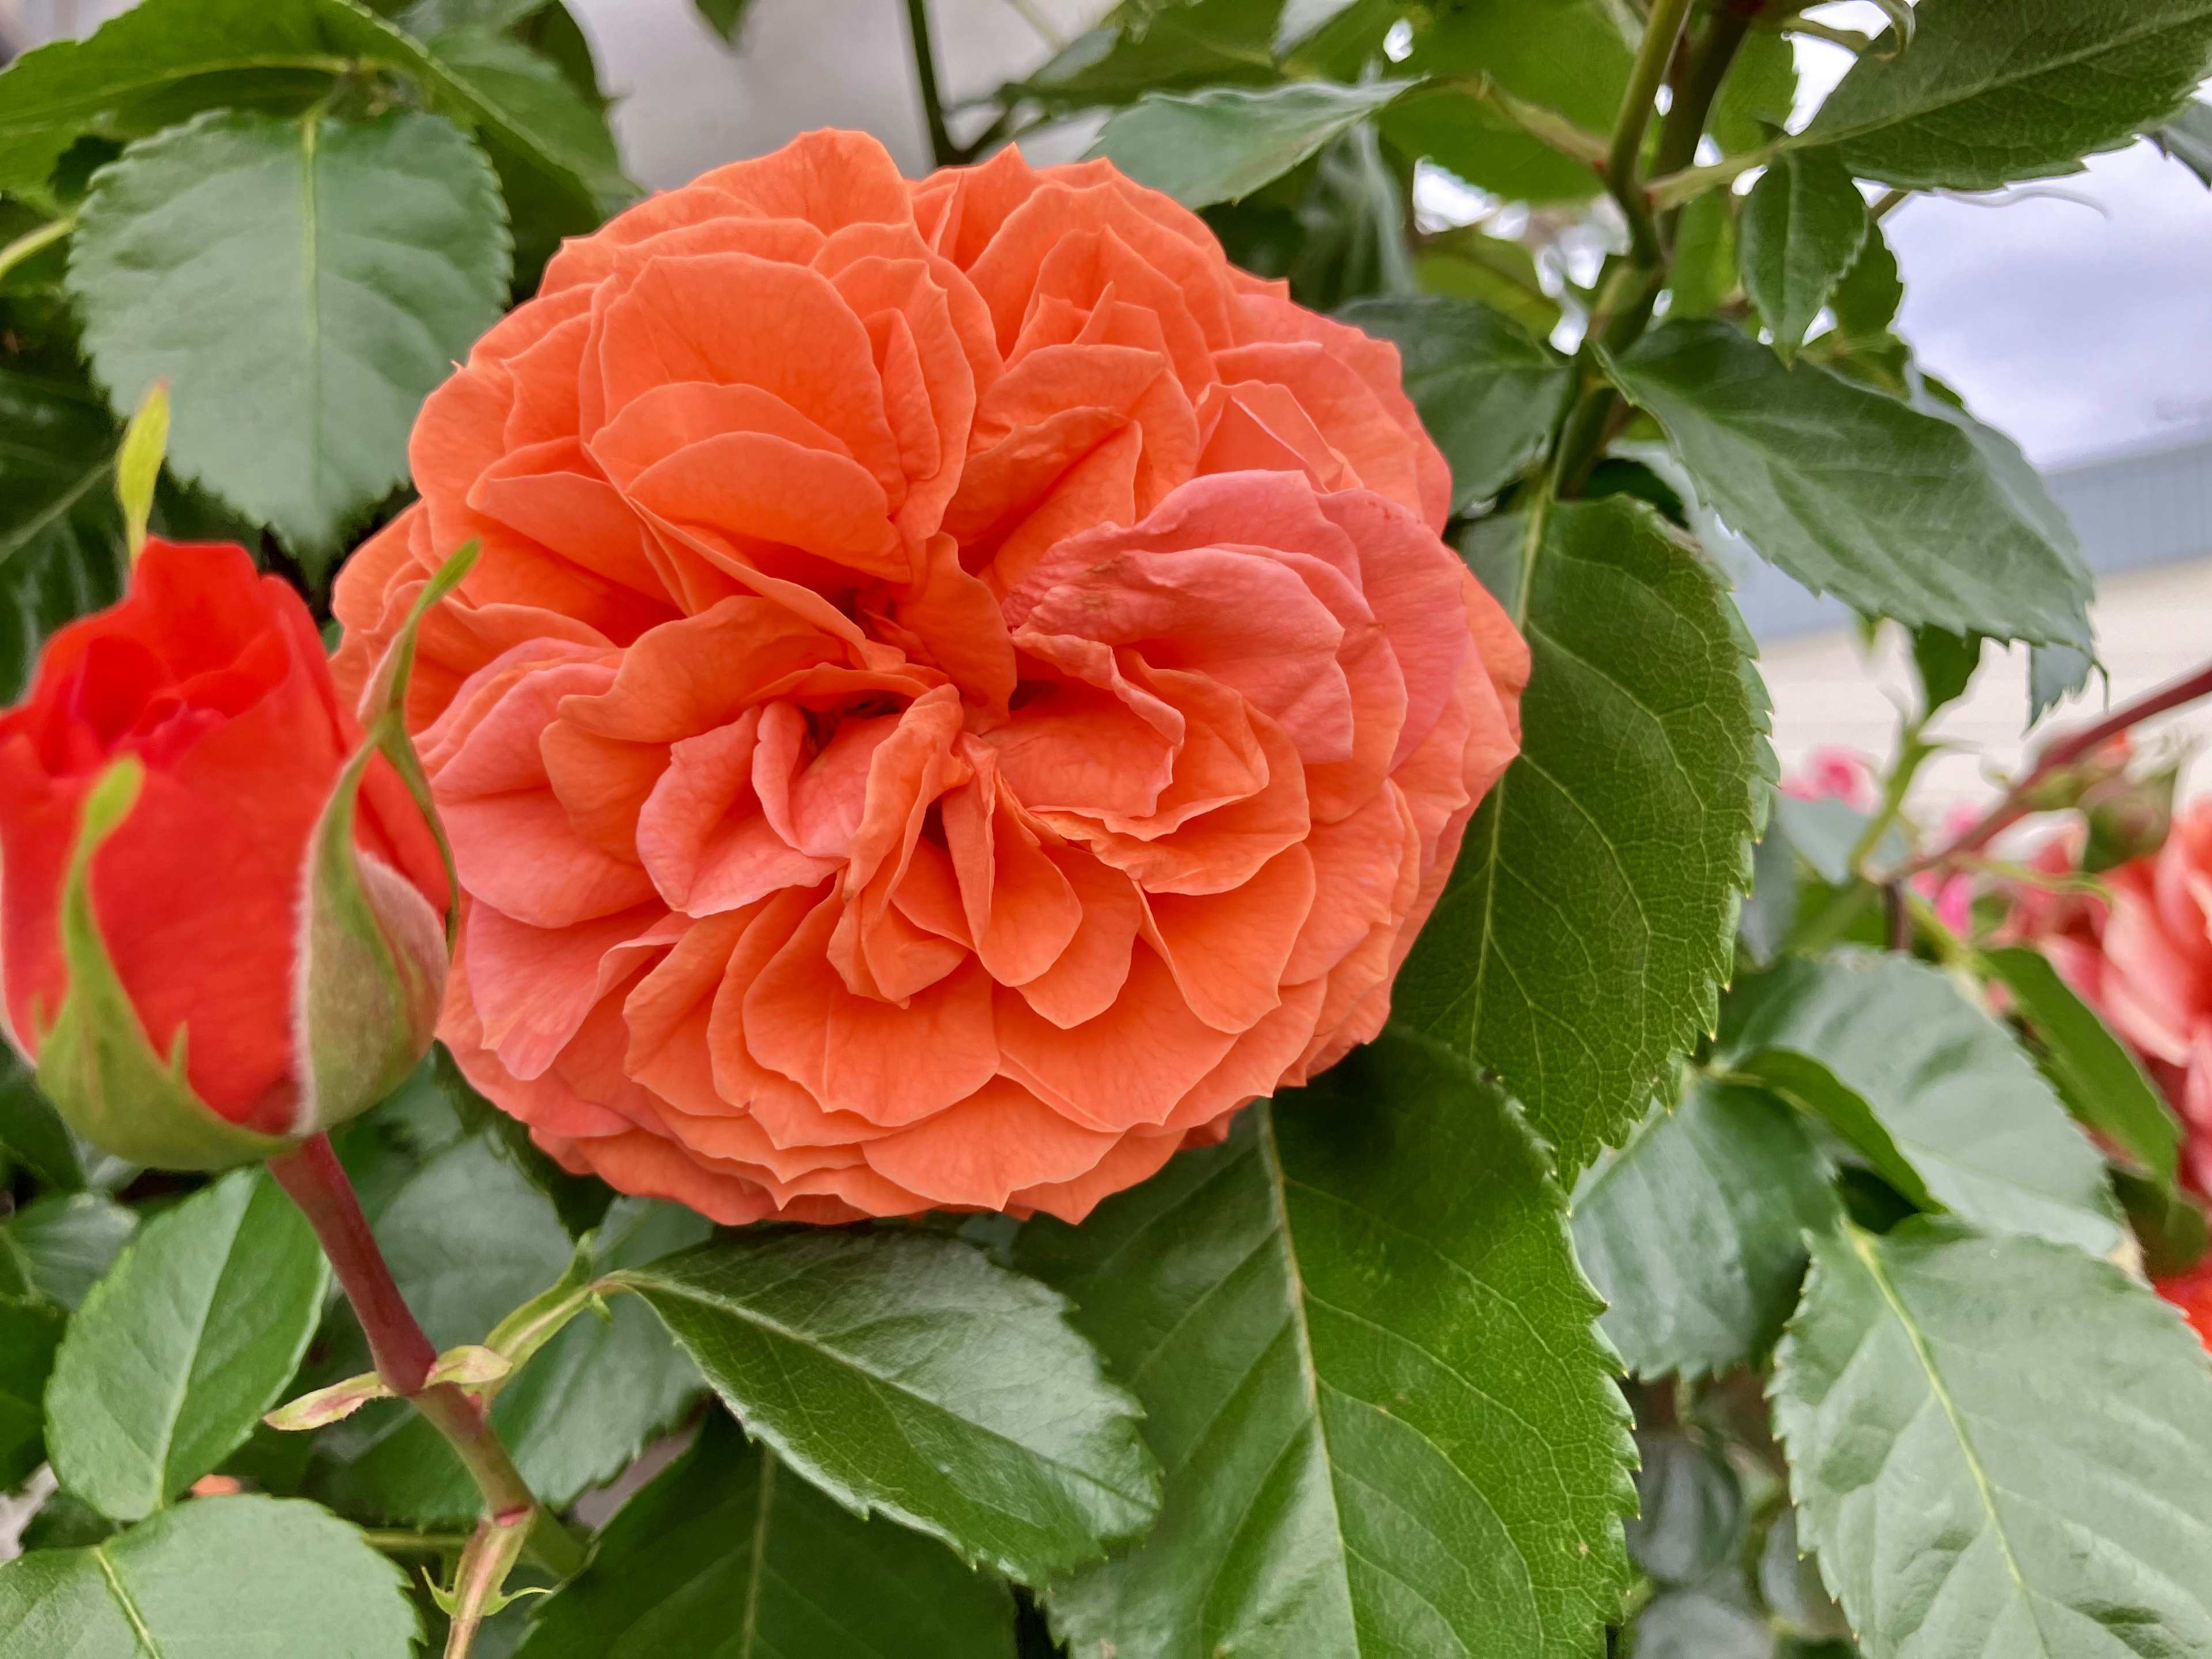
x=221, y=921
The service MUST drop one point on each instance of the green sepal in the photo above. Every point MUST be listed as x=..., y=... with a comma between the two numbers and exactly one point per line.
x=95, y=1062
x=371, y=974
x=384, y=710
x=373, y=955
x=138, y=463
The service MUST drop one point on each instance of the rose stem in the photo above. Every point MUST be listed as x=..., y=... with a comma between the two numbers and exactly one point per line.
x=2064, y=753
x=313, y=1177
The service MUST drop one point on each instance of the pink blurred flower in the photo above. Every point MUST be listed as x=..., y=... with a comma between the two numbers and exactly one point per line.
x=1836, y=775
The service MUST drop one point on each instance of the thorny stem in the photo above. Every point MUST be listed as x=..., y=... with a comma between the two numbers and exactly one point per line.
x=314, y=1180
x=1630, y=286
x=1660, y=33
x=943, y=151
x=2017, y=802
x=491, y=1553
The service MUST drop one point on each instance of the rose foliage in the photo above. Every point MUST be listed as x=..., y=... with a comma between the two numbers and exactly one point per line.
x=1020, y=908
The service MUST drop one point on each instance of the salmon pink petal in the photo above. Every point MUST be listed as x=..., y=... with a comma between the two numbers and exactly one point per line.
x=986, y=1148
x=888, y=1064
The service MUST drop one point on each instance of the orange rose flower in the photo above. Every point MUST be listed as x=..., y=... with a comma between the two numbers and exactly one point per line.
x=962, y=692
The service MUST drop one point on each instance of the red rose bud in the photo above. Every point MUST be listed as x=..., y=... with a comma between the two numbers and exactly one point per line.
x=220, y=909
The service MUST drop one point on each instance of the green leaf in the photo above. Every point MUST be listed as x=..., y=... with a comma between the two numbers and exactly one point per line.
x=1854, y=492
x=1998, y=1446
x=302, y=286
x=1760, y=93
x=2188, y=139
x=2101, y=1083
x=1155, y=48
x=57, y=1248
x=1225, y=143
x=1693, y=1231
x=1470, y=265
x=1803, y=225
x=29, y=1332
x=1689, y=1519
x=1604, y=870
x=2055, y=672
x=537, y=99
x=1695, y=1623
x=1901, y=1064
x=1487, y=393
x=32, y=1130
x=61, y=537
x=906, y=1373
x=1995, y=90
x=1865, y=301
x=243, y=1577
x=1354, y=216
x=1388, y=1425
x=724, y=17
x=1570, y=57
x=175, y=1354
x=270, y=54
x=1945, y=663
x=1703, y=271
x=729, y=1555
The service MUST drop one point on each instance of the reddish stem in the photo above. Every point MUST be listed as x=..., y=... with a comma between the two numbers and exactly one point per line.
x=315, y=1180
x=2065, y=751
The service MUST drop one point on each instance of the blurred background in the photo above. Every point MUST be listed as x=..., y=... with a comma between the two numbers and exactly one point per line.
x=2075, y=314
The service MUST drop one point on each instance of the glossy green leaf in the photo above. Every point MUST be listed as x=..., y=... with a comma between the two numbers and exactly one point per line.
x=175, y=1354
x=1570, y=57
x=1388, y=1425
x=1803, y=227
x=1998, y=1446
x=61, y=537
x=1994, y=90
x=908, y=1374
x=2188, y=138
x=302, y=287
x=29, y=1334
x=31, y=1130
x=242, y=1577
x=1225, y=143
x=1692, y=1232
x=1604, y=869
x=1487, y=393
x=2101, y=1083
x=1889, y=1051
x=57, y=1248
x=1896, y=511
x=265, y=54
x=727, y=1554
x=537, y=99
